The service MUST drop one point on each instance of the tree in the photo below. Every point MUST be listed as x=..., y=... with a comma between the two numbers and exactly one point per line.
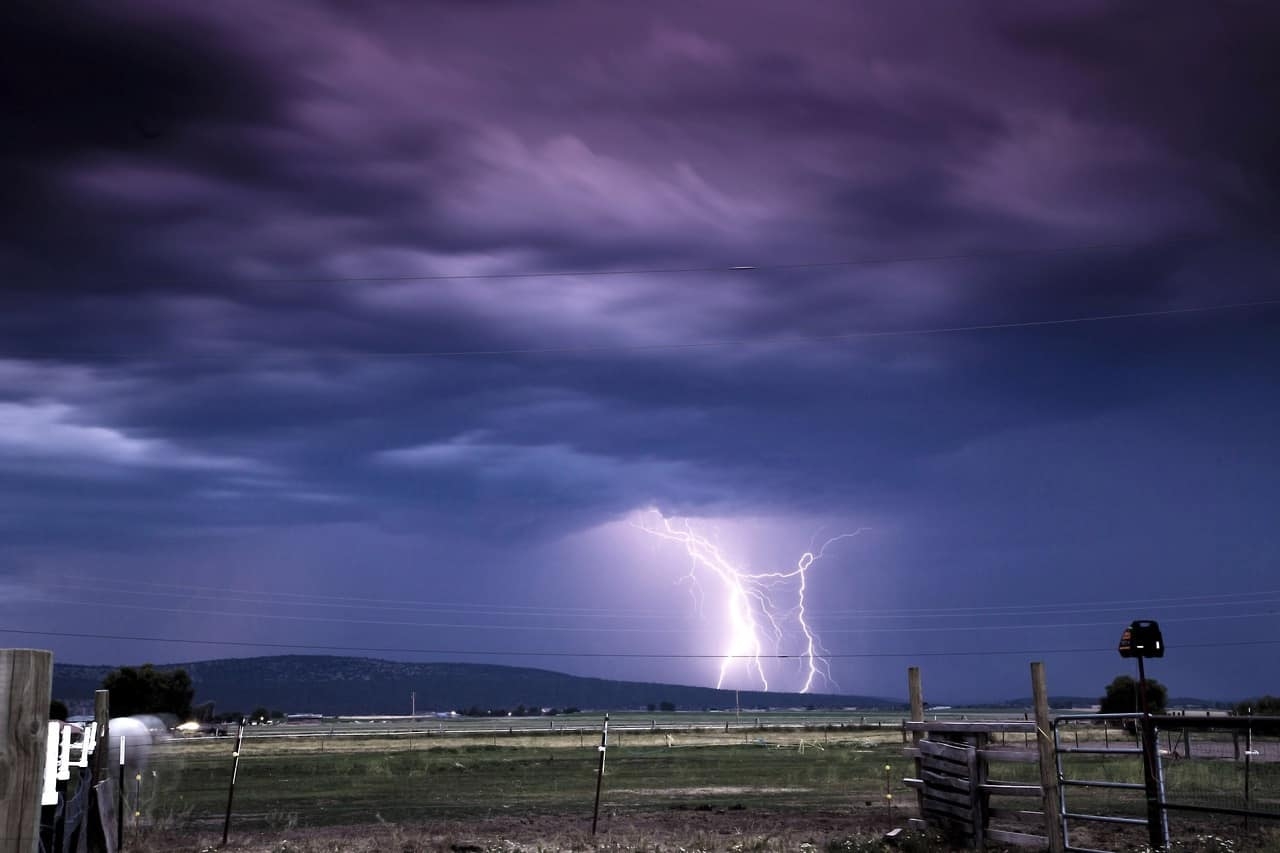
x=1263, y=706
x=58, y=710
x=1122, y=696
x=147, y=690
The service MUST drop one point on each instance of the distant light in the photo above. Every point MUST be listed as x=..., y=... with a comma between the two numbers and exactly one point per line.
x=742, y=267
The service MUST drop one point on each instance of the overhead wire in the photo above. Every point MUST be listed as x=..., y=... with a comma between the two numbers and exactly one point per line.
x=527, y=653
x=883, y=260
x=277, y=598
x=720, y=343
x=789, y=340
x=994, y=610
x=595, y=629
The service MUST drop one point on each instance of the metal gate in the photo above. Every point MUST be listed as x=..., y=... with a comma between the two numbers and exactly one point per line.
x=1152, y=789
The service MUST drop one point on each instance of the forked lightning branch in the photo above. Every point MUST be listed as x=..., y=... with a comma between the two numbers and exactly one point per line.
x=765, y=613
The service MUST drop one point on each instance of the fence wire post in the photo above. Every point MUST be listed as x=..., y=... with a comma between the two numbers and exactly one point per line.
x=1248, y=752
x=120, y=801
x=604, y=746
x=231, y=789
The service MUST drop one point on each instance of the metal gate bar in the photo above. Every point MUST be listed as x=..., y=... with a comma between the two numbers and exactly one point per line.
x=1059, y=749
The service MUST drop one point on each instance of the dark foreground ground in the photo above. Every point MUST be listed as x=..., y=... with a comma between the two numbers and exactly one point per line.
x=658, y=832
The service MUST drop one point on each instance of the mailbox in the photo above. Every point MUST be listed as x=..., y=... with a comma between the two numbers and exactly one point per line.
x=1142, y=639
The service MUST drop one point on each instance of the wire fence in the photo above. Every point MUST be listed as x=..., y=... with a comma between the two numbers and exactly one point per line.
x=1231, y=764
x=317, y=777
x=287, y=783
x=1219, y=775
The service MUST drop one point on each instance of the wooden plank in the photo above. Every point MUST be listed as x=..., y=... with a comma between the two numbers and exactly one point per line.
x=1016, y=756
x=910, y=752
x=967, y=726
x=960, y=798
x=1011, y=790
x=958, y=833
x=102, y=828
x=954, y=811
x=937, y=749
x=913, y=783
x=939, y=780
x=951, y=810
x=977, y=801
x=917, y=824
x=1018, y=839
x=943, y=767
x=1017, y=814
x=26, y=679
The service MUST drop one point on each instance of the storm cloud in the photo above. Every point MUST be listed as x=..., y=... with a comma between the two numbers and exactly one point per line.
x=426, y=299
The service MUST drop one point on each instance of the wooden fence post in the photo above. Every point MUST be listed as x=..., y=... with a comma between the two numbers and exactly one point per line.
x=916, y=696
x=1052, y=802
x=98, y=831
x=98, y=768
x=26, y=682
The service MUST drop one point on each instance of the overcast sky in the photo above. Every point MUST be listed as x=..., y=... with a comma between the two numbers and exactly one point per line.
x=389, y=328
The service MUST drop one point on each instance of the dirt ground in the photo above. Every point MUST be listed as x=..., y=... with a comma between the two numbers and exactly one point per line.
x=675, y=831
x=695, y=830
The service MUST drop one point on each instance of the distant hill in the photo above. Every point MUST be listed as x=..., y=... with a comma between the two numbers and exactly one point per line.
x=1060, y=702
x=350, y=685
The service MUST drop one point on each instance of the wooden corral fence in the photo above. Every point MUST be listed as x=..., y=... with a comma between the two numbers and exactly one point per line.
x=36, y=760
x=955, y=792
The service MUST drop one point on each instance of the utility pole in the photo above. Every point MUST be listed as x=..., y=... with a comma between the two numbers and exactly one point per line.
x=413, y=704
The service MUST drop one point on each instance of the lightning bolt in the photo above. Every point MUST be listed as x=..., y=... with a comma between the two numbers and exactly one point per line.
x=752, y=601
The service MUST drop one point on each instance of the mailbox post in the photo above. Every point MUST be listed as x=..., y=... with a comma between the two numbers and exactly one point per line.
x=1142, y=640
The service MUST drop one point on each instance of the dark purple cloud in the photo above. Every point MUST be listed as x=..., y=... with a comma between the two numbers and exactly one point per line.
x=246, y=245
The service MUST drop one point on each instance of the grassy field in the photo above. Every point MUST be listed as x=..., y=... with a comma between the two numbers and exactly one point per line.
x=319, y=781
x=665, y=774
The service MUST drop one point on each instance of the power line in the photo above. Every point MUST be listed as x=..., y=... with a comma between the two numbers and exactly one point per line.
x=743, y=268
x=831, y=338
x=585, y=629
x=596, y=654
x=303, y=598
x=721, y=343
x=291, y=599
